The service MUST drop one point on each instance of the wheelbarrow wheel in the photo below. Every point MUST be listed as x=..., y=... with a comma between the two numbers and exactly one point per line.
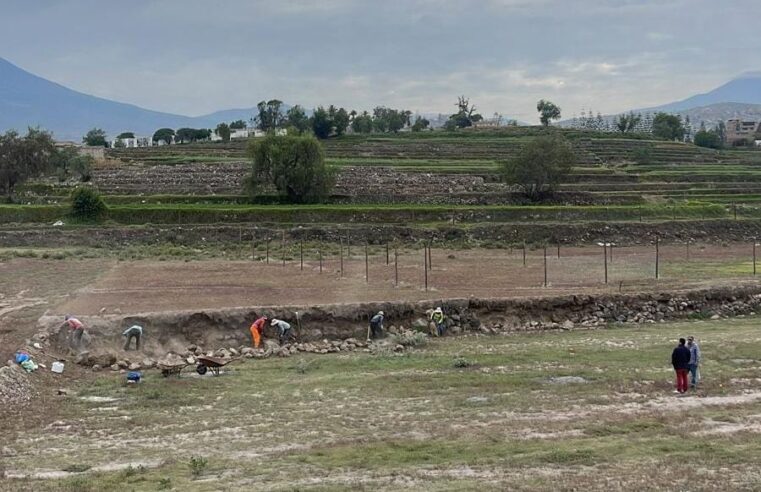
x=201, y=369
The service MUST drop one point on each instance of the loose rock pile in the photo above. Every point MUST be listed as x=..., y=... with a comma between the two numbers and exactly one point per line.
x=15, y=388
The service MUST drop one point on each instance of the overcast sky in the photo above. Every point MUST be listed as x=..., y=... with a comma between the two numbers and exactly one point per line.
x=197, y=56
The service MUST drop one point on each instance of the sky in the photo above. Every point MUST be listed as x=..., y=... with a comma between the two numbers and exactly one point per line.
x=194, y=57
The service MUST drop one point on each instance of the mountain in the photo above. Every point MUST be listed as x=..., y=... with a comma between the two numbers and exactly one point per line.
x=745, y=89
x=28, y=100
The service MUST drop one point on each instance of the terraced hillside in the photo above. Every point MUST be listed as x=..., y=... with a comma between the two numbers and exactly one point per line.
x=423, y=180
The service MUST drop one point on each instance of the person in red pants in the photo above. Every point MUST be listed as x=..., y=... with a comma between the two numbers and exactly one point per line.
x=257, y=329
x=680, y=359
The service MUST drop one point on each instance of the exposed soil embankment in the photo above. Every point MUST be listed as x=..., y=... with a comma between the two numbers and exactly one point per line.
x=174, y=331
x=631, y=233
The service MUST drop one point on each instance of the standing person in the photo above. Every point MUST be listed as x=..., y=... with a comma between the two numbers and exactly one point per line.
x=257, y=329
x=680, y=359
x=694, y=362
x=376, y=326
x=283, y=329
x=134, y=331
x=76, y=330
x=438, y=319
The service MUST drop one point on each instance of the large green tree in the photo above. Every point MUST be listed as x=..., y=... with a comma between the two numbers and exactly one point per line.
x=163, y=135
x=95, y=138
x=362, y=123
x=322, y=123
x=540, y=166
x=340, y=121
x=297, y=119
x=548, y=111
x=126, y=135
x=668, y=127
x=294, y=165
x=708, y=138
x=270, y=115
x=22, y=158
x=223, y=131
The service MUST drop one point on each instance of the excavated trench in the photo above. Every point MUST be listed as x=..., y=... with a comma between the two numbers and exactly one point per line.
x=176, y=330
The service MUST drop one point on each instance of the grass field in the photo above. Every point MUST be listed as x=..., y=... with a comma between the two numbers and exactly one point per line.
x=469, y=413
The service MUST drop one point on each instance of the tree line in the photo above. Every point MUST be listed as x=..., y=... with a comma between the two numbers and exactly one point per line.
x=23, y=157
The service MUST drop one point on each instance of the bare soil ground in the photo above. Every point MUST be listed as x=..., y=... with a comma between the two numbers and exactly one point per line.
x=145, y=286
x=506, y=421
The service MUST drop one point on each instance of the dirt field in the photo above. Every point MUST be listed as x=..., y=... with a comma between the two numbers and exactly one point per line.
x=145, y=286
x=588, y=410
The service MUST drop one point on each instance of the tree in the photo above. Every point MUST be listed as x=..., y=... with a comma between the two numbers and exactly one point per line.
x=709, y=139
x=22, y=158
x=238, y=125
x=721, y=131
x=340, y=121
x=164, y=135
x=67, y=160
x=295, y=165
x=126, y=135
x=362, y=123
x=389, y=120
x=87, y=204
x=297, y=119
x=626, y=123
x=95, y=138
x=466, y=114
x=185, y=135
x=540, y=166
x=270, y=116
x=420, y=124
x=322, y=124
x=668, y=127
x=547, y=111
x=223, y=131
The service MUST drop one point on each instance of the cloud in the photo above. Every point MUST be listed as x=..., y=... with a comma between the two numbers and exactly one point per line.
x=197, y=56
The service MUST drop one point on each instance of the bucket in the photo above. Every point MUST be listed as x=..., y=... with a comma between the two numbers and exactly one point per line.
x=57, y=367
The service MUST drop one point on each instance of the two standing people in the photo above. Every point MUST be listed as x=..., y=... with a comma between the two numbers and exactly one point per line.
x=686, y=360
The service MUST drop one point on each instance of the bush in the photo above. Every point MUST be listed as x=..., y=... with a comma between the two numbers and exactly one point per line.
x=197, y=465
x=540, y=166
x=708, y=139
x=87, y=204
x=462, y=363
x=294, y=165
x=410, y=338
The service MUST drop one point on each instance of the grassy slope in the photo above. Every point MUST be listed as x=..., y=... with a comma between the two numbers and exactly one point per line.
x=356, y=421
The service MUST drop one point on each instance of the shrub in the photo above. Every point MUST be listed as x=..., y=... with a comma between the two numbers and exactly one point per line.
x=410, y=338
x=540, y=166
x=197, y=465
x=87, y=204
x=462, y=363
x=165, y=483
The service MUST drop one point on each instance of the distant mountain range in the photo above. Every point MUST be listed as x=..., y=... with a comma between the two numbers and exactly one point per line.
x=739, y=98
x=28, y=100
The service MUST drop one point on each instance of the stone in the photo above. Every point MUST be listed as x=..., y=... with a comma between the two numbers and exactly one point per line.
x=114, y=367
x=147, y=363
x=568, y=380
x=134, y=366
x=233, y=351
x=190, y=359
x=63, y=391
x=96, y=368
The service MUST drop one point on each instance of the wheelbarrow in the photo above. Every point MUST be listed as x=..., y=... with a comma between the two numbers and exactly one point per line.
x=172, y=369
x=213, y=364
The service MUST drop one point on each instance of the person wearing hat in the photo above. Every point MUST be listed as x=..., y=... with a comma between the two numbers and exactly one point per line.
x=257, y=329
x=376, y=326
x=694, y=367
x=283, y=329
x=439, y=320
